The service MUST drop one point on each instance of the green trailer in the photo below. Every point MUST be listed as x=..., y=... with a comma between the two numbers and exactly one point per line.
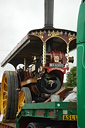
x=52, y=114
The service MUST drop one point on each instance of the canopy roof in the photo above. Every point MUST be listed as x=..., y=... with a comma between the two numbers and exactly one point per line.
x=32, y=44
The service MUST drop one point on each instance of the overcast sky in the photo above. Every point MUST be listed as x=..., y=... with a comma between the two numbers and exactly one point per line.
x=18, y=17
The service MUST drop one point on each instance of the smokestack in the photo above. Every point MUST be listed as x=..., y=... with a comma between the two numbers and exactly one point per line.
x=49, y=9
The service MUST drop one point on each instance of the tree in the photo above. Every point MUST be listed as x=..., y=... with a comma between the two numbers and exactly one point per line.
x=71, y=78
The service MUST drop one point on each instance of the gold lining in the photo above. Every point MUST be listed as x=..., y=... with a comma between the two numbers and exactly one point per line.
x=41, y=35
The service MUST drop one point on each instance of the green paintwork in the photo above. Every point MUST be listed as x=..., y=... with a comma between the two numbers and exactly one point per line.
x=17, y=124
x=81, y=67
x=54, y=110
x=81, y=24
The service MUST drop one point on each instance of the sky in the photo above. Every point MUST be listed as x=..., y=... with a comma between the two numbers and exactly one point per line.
x=18, y=17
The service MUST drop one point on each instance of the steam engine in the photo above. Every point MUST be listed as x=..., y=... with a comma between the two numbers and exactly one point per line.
x=45, y=55
x=49, y=78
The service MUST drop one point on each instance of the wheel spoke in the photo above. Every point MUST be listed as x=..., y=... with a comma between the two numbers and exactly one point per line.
x=4, y=108
x=5, y=83
x=23, y=104
x=23, y=101
x=5, y=91
x=4, y=100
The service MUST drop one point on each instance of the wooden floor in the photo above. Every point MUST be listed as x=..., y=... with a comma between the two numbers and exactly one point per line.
x=7, y=125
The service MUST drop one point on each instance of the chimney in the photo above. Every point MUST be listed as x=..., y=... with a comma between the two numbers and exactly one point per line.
x=49, y=9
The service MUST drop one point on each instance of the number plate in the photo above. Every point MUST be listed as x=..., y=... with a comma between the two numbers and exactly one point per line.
x=56, y=65
x=70, y=117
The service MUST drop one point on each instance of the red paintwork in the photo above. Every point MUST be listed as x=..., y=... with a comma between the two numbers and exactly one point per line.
x=59, y=71
x=72, y=105
x=50, y=69
x=62, y=58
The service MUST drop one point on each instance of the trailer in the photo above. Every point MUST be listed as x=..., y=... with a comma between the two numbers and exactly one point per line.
x=51, y=114
x=24, y=93
x=44, y=115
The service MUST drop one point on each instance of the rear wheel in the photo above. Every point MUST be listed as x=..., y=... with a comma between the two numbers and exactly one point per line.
x=24, y=98
x=9, y=96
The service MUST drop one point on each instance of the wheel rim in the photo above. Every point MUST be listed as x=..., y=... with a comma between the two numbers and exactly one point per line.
x=21, y=100
x=9, y=95
x=4, y=94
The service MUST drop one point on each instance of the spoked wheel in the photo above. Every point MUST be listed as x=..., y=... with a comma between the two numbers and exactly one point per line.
x=24, y=98
x=9, y=96
x=36, y=125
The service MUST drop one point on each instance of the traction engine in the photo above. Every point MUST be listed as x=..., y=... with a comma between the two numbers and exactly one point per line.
x=45, y=56
x=45, y=80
